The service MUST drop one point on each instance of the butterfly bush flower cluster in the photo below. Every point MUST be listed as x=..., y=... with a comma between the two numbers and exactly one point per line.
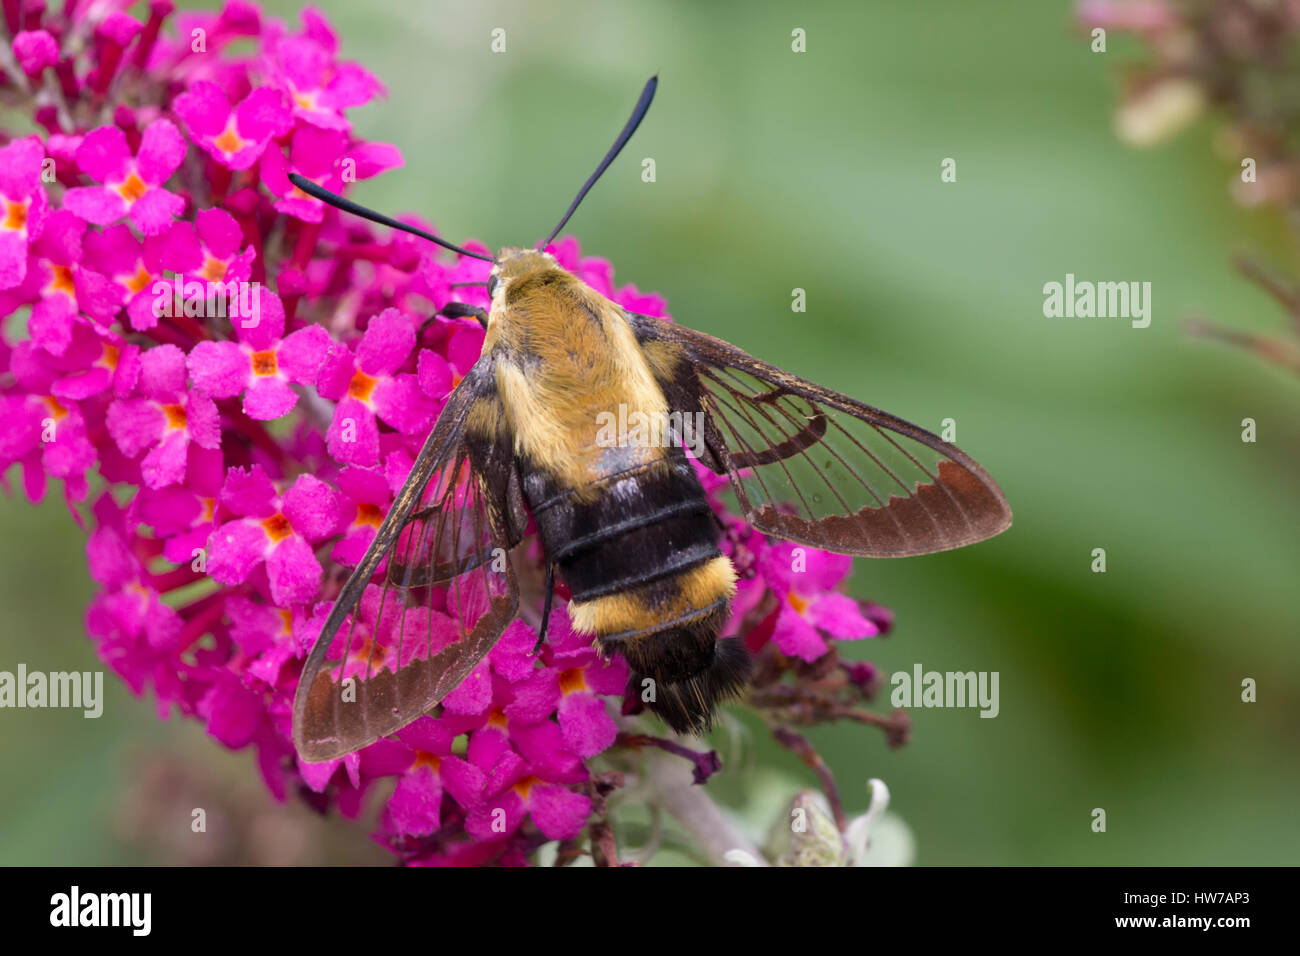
x=227, y=382
x=1233, y=59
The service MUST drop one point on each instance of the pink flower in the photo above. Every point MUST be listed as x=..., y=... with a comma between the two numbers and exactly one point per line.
x=571, y=687
x=209, y=250
x=262, y=364
x=132, y=266
x=164, y=419
x=46, y=434
x=320, y=87
x=423, y=759
x=35, y=50
x=96, y=360
x=22, y=207
x=59, y=287
x=235, y=20
x=369, y=493
x=515, y=790
x=46, y=437
x=275, y=531
x=182, y=515
x=138, y=635
x=326, y=156
x=267, y=635
x=803, y=579
x=131, y=185
x=135, y=606
x=368, y=386
x=112, y=35
x=235, y=138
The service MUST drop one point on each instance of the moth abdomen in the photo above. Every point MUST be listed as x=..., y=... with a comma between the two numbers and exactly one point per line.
x=668, y=632
x=639, y=552
x=667, y=628
x=625, y=530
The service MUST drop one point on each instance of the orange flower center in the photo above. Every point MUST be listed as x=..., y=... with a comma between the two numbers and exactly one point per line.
x=425, y=759
x=175, y=415
x=796, y=602
x=16, y=216
x=277, y=527
x=524, y=786
x=572, y=680
x=498, y=719
x=214, y=270
x=229, y=141
x=371, y=654
x=138, y=281
x=61, y=280
x=132, y=188
x=108, y=359
x=264, y=363
x=361, y=386
x=369, y=514
x=57, y=410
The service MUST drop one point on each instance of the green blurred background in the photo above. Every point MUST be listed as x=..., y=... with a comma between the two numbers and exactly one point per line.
x=820, y=170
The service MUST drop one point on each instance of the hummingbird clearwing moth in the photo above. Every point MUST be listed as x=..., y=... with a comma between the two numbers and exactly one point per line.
x=626, y=523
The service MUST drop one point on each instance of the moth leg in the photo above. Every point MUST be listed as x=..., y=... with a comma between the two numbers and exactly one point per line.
x=461, y=310
x=546, y=606
x=456, y=310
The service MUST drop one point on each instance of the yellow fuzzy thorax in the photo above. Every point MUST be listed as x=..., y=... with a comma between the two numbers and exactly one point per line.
x=565, y=355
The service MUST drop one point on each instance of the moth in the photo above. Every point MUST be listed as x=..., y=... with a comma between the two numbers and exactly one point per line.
x=621, y=514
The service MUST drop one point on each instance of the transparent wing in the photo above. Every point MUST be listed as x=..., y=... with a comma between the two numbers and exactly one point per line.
x=817, y=467
x=428, y=601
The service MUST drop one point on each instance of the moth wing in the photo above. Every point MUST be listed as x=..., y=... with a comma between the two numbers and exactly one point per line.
x=816, y=467
x=393, y=647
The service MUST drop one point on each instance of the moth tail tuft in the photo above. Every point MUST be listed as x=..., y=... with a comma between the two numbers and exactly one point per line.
x=687, y=704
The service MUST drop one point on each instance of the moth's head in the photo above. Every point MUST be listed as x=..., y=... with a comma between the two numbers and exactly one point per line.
x=513, y=266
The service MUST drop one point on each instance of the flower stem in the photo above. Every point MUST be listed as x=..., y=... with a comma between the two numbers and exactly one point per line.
x=802, y=748
x=673, y=787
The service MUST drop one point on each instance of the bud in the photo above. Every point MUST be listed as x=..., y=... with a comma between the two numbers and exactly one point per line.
x=806, y=834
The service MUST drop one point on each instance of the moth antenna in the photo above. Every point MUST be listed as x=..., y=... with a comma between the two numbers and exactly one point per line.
x=347, y=205
x=633, y=121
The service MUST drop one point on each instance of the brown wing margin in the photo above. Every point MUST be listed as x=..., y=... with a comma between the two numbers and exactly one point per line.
x=392, y=649
x=817, y=467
